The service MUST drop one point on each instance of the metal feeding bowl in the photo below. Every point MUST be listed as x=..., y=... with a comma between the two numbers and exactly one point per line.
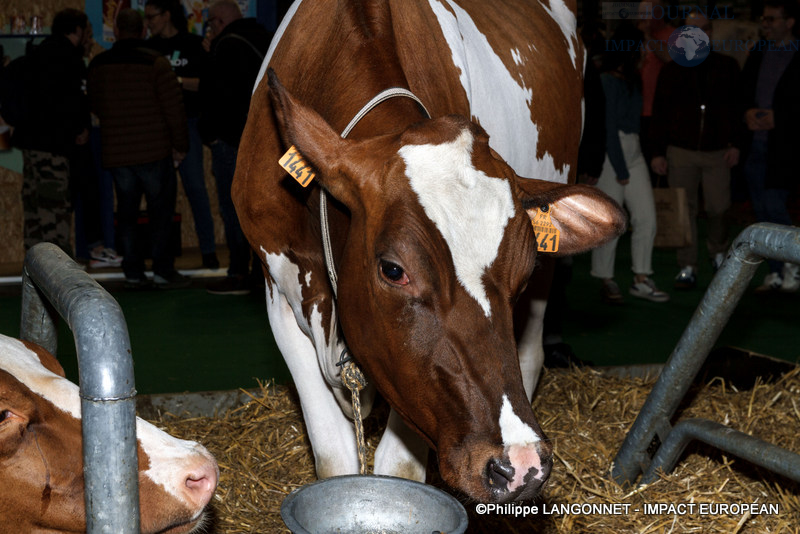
x=372, y=504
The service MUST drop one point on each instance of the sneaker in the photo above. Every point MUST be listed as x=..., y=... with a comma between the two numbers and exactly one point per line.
x=210, y=261
x=173, y=280
x=230, y=285
x=137, y=283
x=791, y=277
x=686, y=279
x=610, y=293
x=772, y=282
x=716, y=261
x=104, y=258
x=646, y=289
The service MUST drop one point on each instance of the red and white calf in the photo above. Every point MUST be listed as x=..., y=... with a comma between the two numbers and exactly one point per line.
x=41, y=463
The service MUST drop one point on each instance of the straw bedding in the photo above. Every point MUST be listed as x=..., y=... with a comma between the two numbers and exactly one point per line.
x=263, y=455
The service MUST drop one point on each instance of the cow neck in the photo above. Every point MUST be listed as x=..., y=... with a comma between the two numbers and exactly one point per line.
x=323, y=203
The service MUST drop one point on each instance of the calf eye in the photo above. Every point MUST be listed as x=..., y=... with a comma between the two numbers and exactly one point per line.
x=5, y=414
x=394, y=273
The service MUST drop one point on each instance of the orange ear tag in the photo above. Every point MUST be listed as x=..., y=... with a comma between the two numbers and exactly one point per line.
x=546, y=233
x=297, y=167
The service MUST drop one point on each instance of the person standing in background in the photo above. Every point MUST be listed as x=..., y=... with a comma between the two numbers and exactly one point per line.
x=624, y=176
x=138, y=100
x=56, y=121
x=237, y=47
x=771, y=98
x=170, y=37
x=695, y=134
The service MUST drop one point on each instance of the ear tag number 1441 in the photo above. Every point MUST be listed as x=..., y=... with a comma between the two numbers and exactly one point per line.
x=297, y=167
x=547, y=234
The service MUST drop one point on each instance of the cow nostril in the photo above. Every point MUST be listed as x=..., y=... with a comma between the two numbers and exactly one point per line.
x=202, y=483
x=498, y=474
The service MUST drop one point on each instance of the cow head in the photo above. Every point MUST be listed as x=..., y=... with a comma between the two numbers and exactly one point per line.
x=41, y=463
x=439, y=247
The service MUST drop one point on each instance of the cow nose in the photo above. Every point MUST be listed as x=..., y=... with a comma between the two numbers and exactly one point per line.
x=201, y=483
x=520, y=473
x=498, y=474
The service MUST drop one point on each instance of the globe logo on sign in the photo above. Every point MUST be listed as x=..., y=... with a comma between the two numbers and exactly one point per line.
x=689, y=46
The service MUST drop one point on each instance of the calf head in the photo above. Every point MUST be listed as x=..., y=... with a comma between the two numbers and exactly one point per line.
x=41, y=463
x=439, y=247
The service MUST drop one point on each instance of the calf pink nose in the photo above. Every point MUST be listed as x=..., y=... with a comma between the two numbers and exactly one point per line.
x=201, y=483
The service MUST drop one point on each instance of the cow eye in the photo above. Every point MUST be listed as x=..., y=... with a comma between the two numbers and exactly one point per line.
x=5, y=414
x=394, y=273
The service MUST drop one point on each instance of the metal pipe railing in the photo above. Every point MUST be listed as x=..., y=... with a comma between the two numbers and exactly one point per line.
x=51, y=281
x=756, y=242
x=747, y=447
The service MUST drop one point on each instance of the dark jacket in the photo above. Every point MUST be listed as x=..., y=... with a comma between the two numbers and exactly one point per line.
x=137, y=98
x=227, y=84
x=185, y=53
x=57, y=105
x=783, y=141
x=681, y=92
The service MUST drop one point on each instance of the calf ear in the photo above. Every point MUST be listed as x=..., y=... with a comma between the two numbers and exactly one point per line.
x=585, y=216
x=317, y=142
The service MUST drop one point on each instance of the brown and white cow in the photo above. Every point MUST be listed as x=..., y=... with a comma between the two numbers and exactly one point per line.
x=41, y=461
x=430, y=224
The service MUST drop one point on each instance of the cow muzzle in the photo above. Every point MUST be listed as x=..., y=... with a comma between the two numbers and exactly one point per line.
x=519, y=473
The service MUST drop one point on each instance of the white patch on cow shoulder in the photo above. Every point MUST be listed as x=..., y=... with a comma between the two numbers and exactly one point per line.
x=24, y=365
x=565, y=19
x=308, y=279
x=512, y=430
x=497, y=100
x=469, y=208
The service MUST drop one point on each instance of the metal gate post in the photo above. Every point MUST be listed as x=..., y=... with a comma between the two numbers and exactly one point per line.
x=759, y=241
x=107, y=387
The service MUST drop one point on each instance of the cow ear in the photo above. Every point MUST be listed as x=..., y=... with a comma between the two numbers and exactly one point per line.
x=585, y=216
x=317, y=142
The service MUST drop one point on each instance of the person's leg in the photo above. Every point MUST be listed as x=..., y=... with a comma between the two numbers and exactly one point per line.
x=717, y=196
x=106, y=192
x=684, y=172
x=603, y=256
x=224, y=166
x=45, y=195
x=194, y=185
x=129, y=194
x=159, y=183
x=641, y=206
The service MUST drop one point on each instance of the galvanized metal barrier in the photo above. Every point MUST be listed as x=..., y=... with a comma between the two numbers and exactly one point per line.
x=653, y=424
x=52, y=282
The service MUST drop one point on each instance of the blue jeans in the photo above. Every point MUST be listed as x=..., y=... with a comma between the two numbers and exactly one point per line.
x=158, y=184
x=223, y=164
x=769, y=204
x=194, y=185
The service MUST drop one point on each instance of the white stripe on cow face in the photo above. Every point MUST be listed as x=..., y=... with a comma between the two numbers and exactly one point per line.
x=24, y=365
x=497, y=100
x=470, y=209
x=512, y=430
